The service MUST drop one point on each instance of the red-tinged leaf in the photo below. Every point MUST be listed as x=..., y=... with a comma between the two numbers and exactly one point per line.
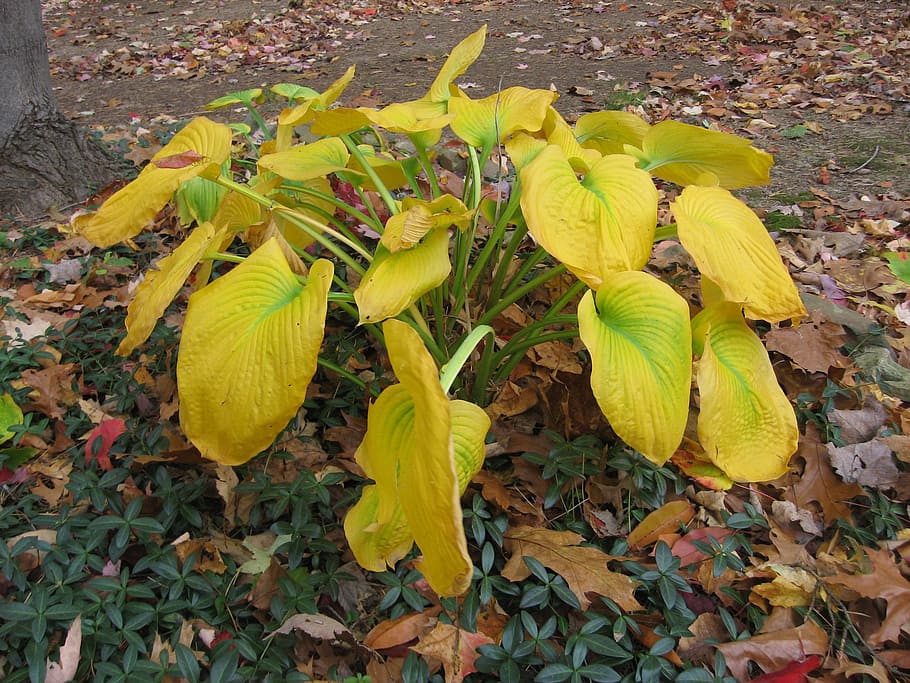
x=686, y=550
x=107, y=431
x=181, y=160
x=794, y=672
x=17, y=476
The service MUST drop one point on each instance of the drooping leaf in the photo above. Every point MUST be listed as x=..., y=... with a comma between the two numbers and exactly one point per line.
x=130, y=209
x=732, y=248
x=198, y=200
x=417, y=217
x=305, y=162
x=394, y=281
x=746, y=424
x=247, y=97
x=602, y=224
x=484, y=123
x=293, y=91
x=156, y=292
x=637, y=331
x=687, y=155
x=248, y=353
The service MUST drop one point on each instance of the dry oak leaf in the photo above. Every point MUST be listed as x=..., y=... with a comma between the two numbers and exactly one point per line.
x=819, y=483
x=813, y=346
x=775, y=650
x=69, y=656
x=584, y=568
x=52, y=389
x=455, y=648
x=885, y=581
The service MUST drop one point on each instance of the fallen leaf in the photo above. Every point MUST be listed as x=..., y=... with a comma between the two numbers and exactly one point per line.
x=775, y=650
x=794, y=672
x=52, y=389
x=455, y=648
x=107, y=432
x=69, y=656
x=666, y=519
x=885, y=581
x=394, y=633
x=867, y=464
x=813, y=346
x=584, y=568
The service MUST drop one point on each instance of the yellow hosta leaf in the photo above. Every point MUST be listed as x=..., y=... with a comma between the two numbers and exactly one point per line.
x=379, y=540
x=637, y=331
x=305, y=162
x=685, y=155
x=390, y=171
x=560, y=133
x=161, y=285
x=426, y=475
x=746, y=424
x=610, y=131
x=306, y=110
x=248, y=352
x=394, y=281
x=732, y=248
x=309, y=205
x=404, y=230
x=130, y=209
x=484, y=123
x=257, y=235
x=462, y=56
x=339, y=121
x=602, y=224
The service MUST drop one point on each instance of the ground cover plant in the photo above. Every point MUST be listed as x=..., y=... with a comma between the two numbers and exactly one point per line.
x=587, y=561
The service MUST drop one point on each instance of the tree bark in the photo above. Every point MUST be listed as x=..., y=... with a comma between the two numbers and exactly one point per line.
x=45, y=161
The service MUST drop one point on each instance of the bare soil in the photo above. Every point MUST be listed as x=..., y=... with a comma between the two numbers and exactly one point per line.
x=768, y=68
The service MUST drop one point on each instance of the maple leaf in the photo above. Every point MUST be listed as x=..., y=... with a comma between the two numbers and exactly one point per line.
x=885, y=581
x=584, y=568
x=455, y=648
x=107, y=431
x=818, y=482
x=794, y=672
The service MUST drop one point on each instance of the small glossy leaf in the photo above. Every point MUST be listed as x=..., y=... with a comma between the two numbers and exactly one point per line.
x=732, y=248
x=602, y=224
x=248, y=353
x=637, y=331
x=484, y=123
x=394, y=281
x=746, y=424
x=687, y=155
x=130, y=209
x=305, y=162
x=156, y=292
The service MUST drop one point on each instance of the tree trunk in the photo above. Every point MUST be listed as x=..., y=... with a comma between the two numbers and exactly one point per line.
x=45, y=161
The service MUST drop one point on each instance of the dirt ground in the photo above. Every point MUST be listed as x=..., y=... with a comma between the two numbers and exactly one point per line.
x=823, y=86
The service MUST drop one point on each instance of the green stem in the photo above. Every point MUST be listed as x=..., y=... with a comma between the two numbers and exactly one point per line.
x=315, y=230
x=349, y=376
x=494, y=242
x=505, y=260
x=427, y=165
x=223, y=256
x=666, y=232
x=334, y=201
x=371, y=174
x=451, y=369
x=515, y=295
x=517, y=352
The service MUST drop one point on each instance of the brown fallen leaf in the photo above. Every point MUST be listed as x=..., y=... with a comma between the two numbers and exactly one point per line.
x=52, y=389
x=494, y=491
x=775, y=650
x=394, y=633
x=666, y=519
x=584, y=568
x=813, y=345
x=867, y=464
x=69, y=656
x=455, y=648
x=885, y=581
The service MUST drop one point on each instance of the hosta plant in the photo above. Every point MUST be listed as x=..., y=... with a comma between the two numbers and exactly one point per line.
x=348, y=208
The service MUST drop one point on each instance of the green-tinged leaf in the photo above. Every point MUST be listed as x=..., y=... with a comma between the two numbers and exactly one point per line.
x=484, y=123
x=687, y=155
x=305, y=162
x=198, y=200
x=746, y=424
x=292, y=91
x=248, y=352
x=602, y=224
x=899, y=263
x=394, y=281
x=156, y=292
x=130, y=209
x=390, y=171
x=470, y=425
x=237, y=212
x=462, y=56
x=732, y=248
x=312, y=206
x=245, y=97
x=10, y=415
x=427, y=477
x=637, y=331
x=610, y=131
x=376, y=546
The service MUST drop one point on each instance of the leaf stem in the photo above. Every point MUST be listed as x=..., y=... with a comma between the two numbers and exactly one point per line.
x=451, y=369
